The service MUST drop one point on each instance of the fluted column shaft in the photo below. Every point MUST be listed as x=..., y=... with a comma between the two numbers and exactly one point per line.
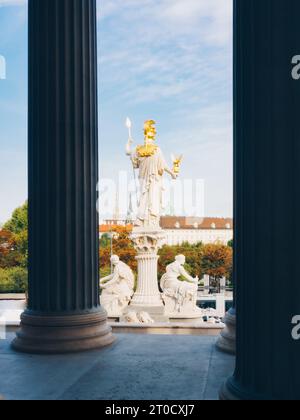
x=147, y=296
x=267, y=167
x=63, y=162
x=147, y=292
x=63, y=172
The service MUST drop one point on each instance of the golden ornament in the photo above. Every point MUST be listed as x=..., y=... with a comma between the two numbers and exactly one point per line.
x=148, y=149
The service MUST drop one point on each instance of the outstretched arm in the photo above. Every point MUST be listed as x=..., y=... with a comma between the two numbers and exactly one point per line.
x=186, y=275
x=166, y=167
x=172, y=173
x=132, y=154
x=129, y=152
x=106, y=279
x=113, y=279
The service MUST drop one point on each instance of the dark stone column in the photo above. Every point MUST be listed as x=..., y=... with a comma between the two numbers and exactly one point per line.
x=267, y=166
x=64, y=314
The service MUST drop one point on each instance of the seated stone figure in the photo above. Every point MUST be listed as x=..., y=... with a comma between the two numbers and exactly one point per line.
x=117, y=289
x=180, y=297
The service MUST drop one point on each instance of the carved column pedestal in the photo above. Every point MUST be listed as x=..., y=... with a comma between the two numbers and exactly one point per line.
x=147, y=297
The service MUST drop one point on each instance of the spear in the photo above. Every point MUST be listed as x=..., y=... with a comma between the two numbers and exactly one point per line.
x=129, y=126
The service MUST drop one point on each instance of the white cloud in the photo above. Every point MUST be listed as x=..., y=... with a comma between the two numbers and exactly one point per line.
x=212, y=18
x=164, y=48
x=173, y=58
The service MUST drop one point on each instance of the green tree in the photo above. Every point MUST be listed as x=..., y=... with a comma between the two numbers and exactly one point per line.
x=21, y=248
x=14, y=240
x=105, y=241
x=19, y=220
x=14, y=252
x=193, y=254
x=230, y=243
x=13, y=280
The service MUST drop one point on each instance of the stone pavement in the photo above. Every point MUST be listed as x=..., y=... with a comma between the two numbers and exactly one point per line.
x=138, y=367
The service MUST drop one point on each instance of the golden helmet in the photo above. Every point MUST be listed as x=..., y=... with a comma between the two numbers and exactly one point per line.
x=150, y=130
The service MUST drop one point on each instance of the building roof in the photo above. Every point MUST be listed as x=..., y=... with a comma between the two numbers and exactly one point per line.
x=107, y=228
x=206, y=223
x=173, y=222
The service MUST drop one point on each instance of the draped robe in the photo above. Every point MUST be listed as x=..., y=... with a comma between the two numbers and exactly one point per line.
x=151, y=170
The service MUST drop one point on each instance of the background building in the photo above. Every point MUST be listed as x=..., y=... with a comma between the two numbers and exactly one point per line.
x=186, y=229
x=195, y=229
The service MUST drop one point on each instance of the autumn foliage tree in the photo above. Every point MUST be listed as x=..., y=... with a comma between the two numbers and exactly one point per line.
x=14, y=240
x=7, y=244
x=216, y=261
x=212, y=259
x=14, y=252
x=121, y=246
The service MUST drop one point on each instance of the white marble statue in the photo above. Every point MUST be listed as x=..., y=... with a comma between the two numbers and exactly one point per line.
x=151, y=163
x=117, y=289
x=133, y=317
x=180, y=297
x=145, y=318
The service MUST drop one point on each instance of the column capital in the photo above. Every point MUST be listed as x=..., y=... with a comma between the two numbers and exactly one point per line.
x=147, y=242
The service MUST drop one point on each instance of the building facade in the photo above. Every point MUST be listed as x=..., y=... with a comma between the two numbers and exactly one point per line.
x=185, y=229
x=195, y=229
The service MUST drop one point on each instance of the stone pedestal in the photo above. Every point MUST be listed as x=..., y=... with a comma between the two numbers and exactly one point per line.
x=223, y=285
x=64, y=313
x=227, y=338
x=147, y=297
x=206, y=284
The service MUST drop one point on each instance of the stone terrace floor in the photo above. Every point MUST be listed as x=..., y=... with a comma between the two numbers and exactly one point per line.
x=135, y=367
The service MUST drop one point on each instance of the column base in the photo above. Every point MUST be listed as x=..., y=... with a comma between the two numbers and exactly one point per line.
x=146, y=301
x=46, y=334
x=232, y=391
x=151, y=309
x=227, y=338
x=226, y=393
x=157, y=313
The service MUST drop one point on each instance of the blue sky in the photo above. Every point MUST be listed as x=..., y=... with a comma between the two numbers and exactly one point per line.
x=168, y=60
